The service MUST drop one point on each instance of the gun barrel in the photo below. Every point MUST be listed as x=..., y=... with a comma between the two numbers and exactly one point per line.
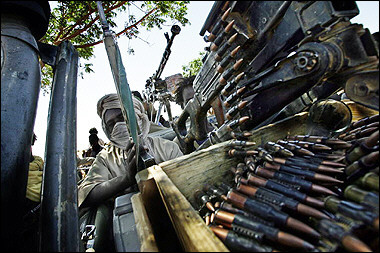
x=175, y=31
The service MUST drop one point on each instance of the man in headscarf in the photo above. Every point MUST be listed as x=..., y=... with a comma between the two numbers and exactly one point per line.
x=113, y=172
x=95, y=144
x=110, y=162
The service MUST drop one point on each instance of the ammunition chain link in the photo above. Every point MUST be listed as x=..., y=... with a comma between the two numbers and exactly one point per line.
x=296, y=187
x=247, y=232
x=269, y=201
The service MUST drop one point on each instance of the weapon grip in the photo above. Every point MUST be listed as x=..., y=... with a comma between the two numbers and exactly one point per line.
x=179, y=128
x=181, y=122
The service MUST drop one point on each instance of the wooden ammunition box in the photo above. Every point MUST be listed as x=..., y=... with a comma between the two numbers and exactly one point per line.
x=165, y=209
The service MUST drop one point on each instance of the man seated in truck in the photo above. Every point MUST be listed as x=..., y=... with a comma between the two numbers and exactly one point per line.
x=113, y=172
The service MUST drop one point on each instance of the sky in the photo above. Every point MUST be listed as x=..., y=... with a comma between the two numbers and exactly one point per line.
x=143, y=63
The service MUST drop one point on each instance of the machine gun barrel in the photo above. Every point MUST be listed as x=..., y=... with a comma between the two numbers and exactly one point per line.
x=175, y=31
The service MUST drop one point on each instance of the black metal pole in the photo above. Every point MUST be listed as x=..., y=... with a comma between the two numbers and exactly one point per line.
x=59, y=205
x=20, y=86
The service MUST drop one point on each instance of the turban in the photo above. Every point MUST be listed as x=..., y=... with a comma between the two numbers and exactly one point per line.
x=111, y=101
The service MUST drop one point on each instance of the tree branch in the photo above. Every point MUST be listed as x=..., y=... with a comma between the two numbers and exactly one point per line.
x=89, y=45
x=138, y=22
x=90, y=11
x=79, y=31
x=121, y=32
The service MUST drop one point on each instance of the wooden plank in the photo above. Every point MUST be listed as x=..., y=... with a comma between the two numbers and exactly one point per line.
x=191, y=171
x=163, y=229
x=191, y=230
x=143, y=226
x=272, y=132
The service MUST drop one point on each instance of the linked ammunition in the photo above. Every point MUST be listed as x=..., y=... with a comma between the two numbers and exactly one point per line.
x=270, y=233
x=362, y=166
x=235, y=123
x=238, y=243
x=352, y=210
x=317, y=139
x=222, y=50
x=333, y=231
x=263, y=154
x=235, y=109
x=240, y=169
x=229, y=208
x=231, y=85
x=362, y=149
x=203, y=200
x=227, y=74
x=295, y=148
x=219, y=39
x=293, y=180
x=364, y=121
x=224, y=186
x=360, y=134
x=212, y=190
x=246, y=232
x=369, y=181
x=250, y=162
x=306, y=173
x=268, y=212
x=298, y=163
x=233, y=97
x=224, y=63
x=354, y=193
x=316, y=160
x=374, y=124
x=241, y=153
x=274, y=147
x=278, y=199
x=310, y=145
x=334, y=157
x=341, y=146
x=238, y=143
x=241, y=135
x=221, y=22
x=273, y=185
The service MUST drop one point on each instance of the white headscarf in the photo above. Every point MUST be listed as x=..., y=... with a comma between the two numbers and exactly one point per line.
x=111, y=101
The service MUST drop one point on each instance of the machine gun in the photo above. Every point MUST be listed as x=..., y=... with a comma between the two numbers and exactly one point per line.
x=156, y=88
x=269, y=54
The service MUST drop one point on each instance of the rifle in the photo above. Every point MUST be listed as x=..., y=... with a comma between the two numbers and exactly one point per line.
x=284, y=51
x=156, y=88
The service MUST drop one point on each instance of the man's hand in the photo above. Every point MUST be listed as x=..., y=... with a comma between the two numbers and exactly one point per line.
x=110, y=188
x=130, y=164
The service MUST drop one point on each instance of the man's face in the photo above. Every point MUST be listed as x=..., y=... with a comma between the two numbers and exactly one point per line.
x=111, y=117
